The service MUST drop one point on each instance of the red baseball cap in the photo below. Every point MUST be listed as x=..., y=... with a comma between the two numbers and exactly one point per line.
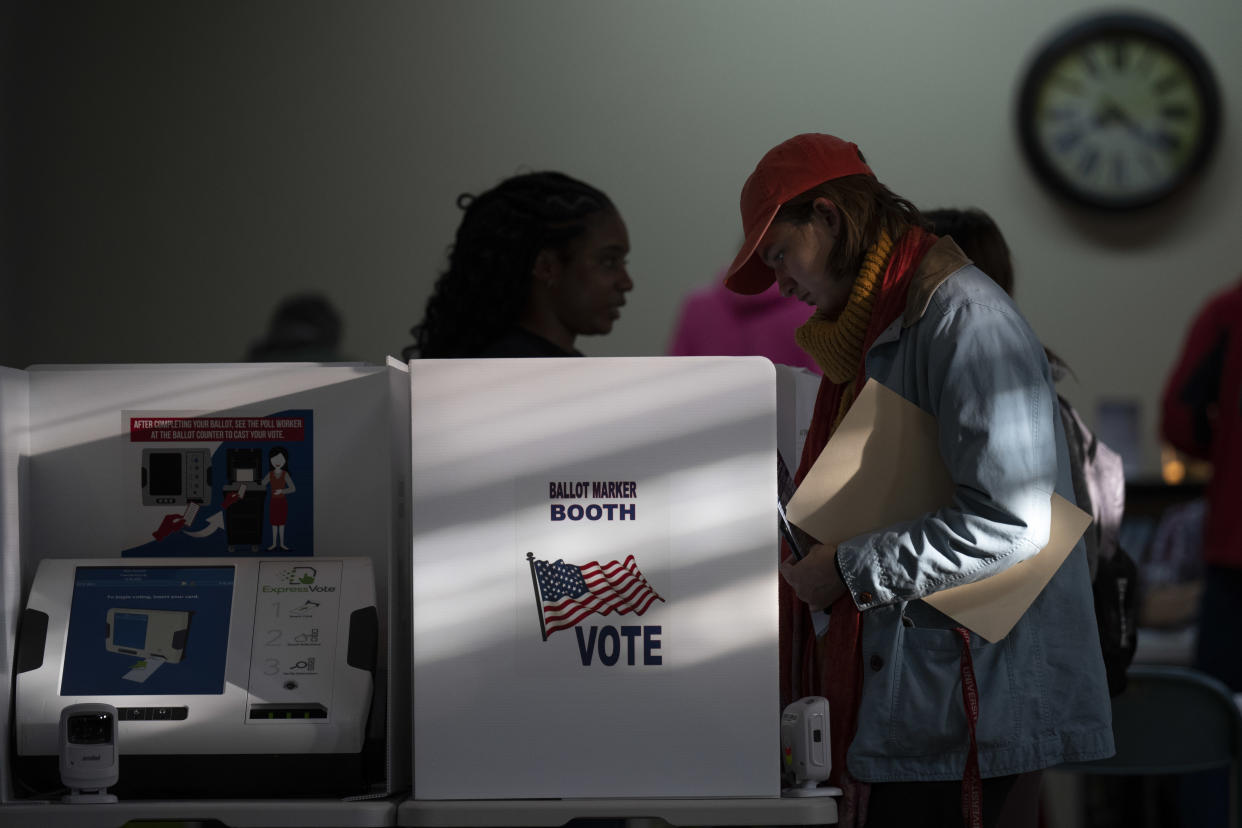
x=787, y=170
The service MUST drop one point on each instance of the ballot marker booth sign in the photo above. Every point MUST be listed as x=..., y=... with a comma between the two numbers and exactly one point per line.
x=594, y=578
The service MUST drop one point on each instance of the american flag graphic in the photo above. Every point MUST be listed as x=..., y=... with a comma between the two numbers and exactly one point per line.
x=567, y=593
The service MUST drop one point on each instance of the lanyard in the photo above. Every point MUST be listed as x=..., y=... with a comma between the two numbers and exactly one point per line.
x=972, y=782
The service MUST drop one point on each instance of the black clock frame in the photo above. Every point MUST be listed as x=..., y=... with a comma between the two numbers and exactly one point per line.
x=1101, y=26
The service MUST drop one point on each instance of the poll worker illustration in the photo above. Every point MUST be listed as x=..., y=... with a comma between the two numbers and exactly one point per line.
x=281, y=485
x=538, y=260
x=930, y=724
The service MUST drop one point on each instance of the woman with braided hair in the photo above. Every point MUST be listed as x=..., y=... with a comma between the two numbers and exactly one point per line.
x=538, y=260
x=930, y=724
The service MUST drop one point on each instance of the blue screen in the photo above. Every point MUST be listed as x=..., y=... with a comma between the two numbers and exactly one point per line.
x=129, y=629
x=205, y=593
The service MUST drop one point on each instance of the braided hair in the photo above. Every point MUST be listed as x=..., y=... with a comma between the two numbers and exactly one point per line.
x=487, y=285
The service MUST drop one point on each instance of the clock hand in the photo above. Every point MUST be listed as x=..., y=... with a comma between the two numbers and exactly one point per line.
x=1143, y=135
x=1111, y=112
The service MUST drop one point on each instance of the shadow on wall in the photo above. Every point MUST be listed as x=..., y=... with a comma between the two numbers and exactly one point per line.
x=304, y=327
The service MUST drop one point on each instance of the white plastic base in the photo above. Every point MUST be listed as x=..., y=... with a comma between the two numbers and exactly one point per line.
x=811, y=790
x=88, y=796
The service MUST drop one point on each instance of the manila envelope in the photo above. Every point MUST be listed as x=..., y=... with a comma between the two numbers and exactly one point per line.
x=883, y=466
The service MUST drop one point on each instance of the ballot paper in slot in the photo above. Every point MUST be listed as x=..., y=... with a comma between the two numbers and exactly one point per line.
x=883, y=466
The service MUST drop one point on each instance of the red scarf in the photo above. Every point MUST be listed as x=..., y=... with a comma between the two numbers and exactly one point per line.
x=833, y=667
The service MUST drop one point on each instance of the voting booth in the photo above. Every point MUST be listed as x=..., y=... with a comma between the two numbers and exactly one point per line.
x=211, y=551
x=594, y=578
x=294, y=594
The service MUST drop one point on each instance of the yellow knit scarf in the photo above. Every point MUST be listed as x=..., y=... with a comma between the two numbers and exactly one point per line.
x=836, y=344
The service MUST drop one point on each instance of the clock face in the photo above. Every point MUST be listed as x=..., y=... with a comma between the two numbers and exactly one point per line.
x=1118, y=112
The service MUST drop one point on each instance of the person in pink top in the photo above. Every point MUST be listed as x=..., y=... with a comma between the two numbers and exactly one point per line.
x=715, y=321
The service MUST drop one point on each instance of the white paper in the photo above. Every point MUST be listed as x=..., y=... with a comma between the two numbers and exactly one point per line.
x=144, y=669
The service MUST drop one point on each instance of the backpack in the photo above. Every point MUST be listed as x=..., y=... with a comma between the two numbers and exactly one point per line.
x=1100, y=488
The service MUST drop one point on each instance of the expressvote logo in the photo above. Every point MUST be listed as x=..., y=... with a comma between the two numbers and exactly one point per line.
x=298, y=579
x=299, y=575
x=568, y=593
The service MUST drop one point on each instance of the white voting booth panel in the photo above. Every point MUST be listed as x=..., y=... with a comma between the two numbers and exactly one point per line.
x=14, y=453
x=266, y=461
x=594, y=578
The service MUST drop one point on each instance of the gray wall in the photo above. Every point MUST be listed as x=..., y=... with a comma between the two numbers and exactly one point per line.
x=173, y=169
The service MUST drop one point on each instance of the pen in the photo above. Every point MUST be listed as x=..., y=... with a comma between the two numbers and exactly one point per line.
x=787, y=531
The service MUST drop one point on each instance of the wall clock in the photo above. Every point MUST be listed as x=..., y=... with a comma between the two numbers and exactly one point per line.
x=1118, y=111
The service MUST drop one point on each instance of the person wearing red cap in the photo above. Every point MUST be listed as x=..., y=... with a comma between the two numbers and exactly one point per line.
x=930, y=724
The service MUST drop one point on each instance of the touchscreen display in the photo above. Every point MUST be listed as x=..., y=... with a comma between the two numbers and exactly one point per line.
x=138, y=630
x=165, y=473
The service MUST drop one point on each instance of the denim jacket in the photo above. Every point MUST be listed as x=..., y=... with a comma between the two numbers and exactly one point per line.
x=963, y=353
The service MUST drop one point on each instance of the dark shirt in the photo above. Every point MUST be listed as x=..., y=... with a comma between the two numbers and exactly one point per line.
x=520, y=342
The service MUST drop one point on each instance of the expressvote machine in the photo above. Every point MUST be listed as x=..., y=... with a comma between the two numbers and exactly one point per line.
x=230, y=676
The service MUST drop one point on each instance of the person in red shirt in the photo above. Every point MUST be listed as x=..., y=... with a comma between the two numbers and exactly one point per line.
x=1202, y=416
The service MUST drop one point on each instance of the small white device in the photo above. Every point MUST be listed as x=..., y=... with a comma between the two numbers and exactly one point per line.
x=89, y=757
x=806, y=753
